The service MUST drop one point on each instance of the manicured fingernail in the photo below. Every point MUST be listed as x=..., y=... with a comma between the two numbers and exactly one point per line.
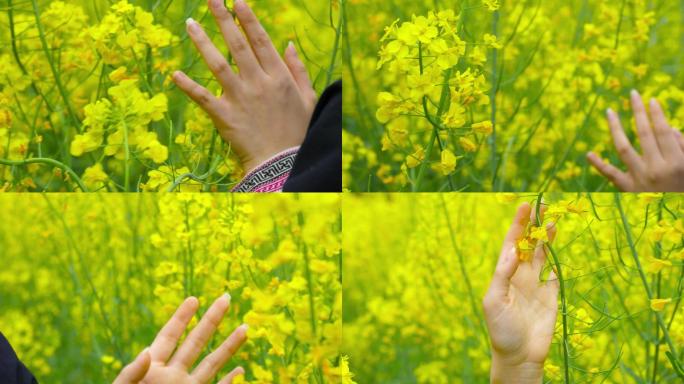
x=635, y=94
x=227, y=296
x=192, y=24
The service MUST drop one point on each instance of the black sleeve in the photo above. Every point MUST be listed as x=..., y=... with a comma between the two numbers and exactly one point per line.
x=318, y=166
x=12, y=371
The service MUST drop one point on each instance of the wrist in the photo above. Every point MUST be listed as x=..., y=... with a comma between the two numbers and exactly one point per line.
x=257, y=161
x=504, y=371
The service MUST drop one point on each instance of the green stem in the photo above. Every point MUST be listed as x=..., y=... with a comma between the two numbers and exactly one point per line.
x=564, y=307
x=55, y=72
x=492, y=100
x=642, y=275
x=42, y=160
x=127, y=155
x=336, y=46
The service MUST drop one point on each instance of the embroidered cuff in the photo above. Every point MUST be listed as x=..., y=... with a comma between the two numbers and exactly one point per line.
x=269, y=176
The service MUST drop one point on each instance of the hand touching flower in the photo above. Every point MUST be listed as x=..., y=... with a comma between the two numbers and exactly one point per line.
x=661, y=168
x=266, y=107
x=159, y=363
x=520, y=310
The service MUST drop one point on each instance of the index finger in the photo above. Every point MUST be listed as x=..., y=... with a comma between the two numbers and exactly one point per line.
x=163, y=345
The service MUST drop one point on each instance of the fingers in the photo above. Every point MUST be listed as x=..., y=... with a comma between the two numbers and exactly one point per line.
x=192, y=347
x=515, y=232
x=647, y=138
x=541, y=251
x=136, y=370
x=238, y=45
x=621, y=180
x=624, y=149
x=299, y=72
x=228, y=379
x=163, y=345
x=508, y=259
x=663, y=131
x=196, y=92
x=258, y=38
x=213, y=363
x=212, y=56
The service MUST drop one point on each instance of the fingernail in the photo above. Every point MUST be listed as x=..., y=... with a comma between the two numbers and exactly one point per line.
x=609, y=112
x=634, y=93
x=227, y=296
x=192, y=24
x=654, y=102
x=239, y=4
x=217, y=4
x=291, y=46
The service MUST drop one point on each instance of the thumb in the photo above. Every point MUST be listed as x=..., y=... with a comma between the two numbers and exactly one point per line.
x=505, y=269
x=135, y=371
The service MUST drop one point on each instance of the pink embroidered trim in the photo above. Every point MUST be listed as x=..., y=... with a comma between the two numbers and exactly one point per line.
x=269, y=176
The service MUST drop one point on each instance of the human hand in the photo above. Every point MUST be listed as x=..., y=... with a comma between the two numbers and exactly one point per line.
x=266, y=107
x=661, y=168
x=520, y=311
x=157, y=365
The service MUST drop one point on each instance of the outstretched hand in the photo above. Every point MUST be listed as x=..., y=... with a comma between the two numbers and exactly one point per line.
x=266, y=106
x=159, y=363
x=520, y=310
x=661, y=167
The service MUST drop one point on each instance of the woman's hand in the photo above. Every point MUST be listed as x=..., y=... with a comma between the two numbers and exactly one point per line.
x=661, y=168
x=159, y=363
x=266, y=107
x=520, y=310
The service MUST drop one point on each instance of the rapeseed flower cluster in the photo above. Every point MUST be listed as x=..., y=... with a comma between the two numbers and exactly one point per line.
x=420, y=56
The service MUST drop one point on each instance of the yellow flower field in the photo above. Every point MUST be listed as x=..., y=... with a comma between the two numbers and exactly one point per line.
x=87, y=101
x=499, y=95
x=87, y=281
x=417, y=268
